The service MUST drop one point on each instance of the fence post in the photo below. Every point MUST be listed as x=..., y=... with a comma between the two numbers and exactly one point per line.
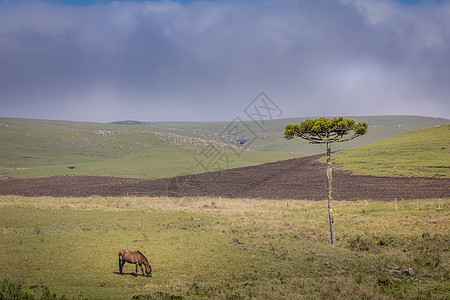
x=220, y=201
x=62, y=203
x=34, y=201
x=254, y=204
x=439, y=204
x=14, y=200
x=288, y=204
x=395, y=204
x=305, y=205
x=365, y=206
x=184, y=203
x=153, y=203
x=417, y=204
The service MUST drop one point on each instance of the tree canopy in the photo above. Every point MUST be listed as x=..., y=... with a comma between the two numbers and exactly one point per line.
x=323, y=130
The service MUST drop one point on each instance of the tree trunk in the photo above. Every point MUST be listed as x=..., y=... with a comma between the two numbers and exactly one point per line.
x=330, y=205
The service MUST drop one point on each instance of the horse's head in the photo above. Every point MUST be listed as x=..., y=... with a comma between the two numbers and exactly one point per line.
x=143, y=259
x=148, y=270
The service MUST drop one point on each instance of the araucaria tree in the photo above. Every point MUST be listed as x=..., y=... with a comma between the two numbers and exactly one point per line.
x=327, y=131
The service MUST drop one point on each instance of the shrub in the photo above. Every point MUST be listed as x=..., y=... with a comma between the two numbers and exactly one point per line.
x=14, y=290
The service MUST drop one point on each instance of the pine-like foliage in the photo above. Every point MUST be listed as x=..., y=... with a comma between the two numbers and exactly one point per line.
x=323, y=130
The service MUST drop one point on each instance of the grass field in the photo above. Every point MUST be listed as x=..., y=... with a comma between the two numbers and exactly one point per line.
x=227, y=248
x=418, y=153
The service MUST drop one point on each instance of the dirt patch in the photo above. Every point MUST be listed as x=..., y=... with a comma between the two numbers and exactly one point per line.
x=300, y=178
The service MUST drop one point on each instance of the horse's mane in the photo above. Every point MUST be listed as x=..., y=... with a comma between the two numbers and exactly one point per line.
x=142, y=255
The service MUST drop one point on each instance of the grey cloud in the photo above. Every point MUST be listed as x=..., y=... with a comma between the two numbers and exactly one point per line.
x=208, y=60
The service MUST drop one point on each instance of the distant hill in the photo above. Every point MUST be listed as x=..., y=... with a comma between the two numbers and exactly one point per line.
x=30, y=147
x=128, y=122
x=271, y=138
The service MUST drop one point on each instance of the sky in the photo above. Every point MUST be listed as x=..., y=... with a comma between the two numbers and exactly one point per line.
x=102, y=61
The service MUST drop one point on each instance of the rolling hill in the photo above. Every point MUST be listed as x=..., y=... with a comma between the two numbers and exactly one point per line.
x=31, y=148
x=271, y=137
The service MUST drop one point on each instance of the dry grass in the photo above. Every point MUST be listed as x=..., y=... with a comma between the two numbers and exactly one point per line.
x=228, y=248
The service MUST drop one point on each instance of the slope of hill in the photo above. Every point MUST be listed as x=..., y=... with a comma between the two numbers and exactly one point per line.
x=30, y=148
x=418, y=153
x=270, y=138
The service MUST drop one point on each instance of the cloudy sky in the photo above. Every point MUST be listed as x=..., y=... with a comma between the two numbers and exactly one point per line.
x=207, y=60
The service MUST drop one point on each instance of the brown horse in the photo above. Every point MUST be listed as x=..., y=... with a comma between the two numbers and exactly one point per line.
x=134, y=257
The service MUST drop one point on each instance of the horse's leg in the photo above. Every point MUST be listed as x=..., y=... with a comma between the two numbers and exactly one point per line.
x=142, y=269
x=120, y=265
x=137, y=269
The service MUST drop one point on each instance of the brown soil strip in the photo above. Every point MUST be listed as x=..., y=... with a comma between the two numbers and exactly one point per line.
x=300, y=178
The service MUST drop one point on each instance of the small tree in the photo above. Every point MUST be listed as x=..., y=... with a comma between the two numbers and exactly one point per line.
x=327, y=131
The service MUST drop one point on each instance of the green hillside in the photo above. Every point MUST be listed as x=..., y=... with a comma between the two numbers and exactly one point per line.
x=47, y=148
x=418, y=153
x=270, y=137
x=31, y=147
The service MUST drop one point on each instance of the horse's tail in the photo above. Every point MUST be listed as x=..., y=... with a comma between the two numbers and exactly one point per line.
x=122, y=252
x=120, y=261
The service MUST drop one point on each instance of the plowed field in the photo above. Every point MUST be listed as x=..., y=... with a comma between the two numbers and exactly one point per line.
x=300, y=178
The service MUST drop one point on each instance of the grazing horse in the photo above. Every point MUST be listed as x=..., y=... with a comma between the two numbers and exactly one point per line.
x=134, y=257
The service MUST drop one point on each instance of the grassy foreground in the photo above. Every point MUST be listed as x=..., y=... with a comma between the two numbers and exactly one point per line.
x=227, y=248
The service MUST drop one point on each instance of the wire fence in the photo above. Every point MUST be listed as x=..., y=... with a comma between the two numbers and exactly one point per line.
x=217, y=203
